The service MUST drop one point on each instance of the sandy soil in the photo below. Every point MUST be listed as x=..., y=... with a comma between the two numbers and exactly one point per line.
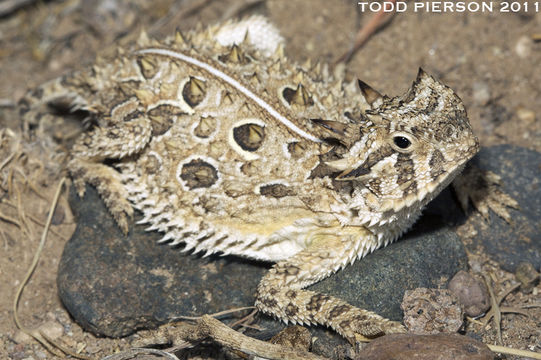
x=490, y=59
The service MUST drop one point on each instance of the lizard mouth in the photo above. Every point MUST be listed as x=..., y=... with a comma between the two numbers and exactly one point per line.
x=473, y=149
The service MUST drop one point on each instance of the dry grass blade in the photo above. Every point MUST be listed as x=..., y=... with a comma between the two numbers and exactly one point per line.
x=242, y=322
x=10, y=220
x=529, y=306
x=511, y=351
x=48, y=343
x=494, y=309
x=31, y=217
x=246, y=321
x=514, y=310
x=7, y=160
x=22, y=214
x=215, y=315
x=496, y=312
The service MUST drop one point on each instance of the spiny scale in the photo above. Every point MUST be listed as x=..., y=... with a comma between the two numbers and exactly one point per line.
x=235, y=150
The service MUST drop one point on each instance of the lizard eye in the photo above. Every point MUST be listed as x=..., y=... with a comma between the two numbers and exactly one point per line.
x=402, y=142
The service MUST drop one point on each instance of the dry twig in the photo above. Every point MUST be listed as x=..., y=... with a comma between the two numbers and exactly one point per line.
x=375, y=23
x=208, y=328
x=496, y=310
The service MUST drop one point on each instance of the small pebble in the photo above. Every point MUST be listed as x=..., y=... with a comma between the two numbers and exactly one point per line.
x=21, y=337
x=432, y=311
x=526, y=115
x=471, y=292
x=59, y=216
x=527, y=276
x=425, y=347
x=523, y=47
x=40, y=354
x=475, y=265
x=70, y=342
x=52, y=329
x=497, y=51
x=481, y=93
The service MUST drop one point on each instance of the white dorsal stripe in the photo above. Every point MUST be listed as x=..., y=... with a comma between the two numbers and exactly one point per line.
x=228, y=79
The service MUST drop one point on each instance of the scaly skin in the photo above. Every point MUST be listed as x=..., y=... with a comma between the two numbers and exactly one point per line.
x=227, y=147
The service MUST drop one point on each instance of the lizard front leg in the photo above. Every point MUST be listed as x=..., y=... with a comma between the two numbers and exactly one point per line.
x=126, y=136
x=484, y=188
x=280, y=292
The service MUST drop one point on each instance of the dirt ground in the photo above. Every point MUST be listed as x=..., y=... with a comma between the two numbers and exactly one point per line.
x=491, y=59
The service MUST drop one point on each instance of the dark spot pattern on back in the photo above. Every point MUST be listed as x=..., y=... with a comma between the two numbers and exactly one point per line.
x=249, y=137
x=199, y=174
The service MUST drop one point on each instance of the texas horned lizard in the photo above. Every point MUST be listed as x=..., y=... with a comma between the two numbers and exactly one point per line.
x=227, y=147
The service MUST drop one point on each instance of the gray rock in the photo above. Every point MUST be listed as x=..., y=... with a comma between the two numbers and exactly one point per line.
x=427, y=254
x=113, y=285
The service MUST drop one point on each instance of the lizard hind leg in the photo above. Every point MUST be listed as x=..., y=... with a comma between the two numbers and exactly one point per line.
x=280, y=292
x=36, y=106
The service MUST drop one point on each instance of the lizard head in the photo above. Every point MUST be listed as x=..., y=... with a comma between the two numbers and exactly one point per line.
x=410, y=146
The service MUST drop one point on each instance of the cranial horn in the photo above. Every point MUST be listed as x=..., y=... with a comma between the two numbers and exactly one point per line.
x=371, y=96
